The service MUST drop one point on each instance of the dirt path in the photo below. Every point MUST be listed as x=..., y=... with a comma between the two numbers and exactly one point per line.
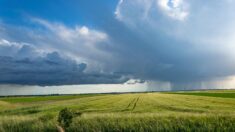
x=59, y=128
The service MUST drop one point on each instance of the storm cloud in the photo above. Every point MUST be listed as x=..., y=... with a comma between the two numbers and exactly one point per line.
x=177, y=40
x=174, y=41
x=22, y=63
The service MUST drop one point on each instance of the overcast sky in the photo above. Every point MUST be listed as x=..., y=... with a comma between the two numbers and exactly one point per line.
x=173, y=43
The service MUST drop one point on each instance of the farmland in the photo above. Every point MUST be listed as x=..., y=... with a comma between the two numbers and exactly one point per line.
x=159, y=111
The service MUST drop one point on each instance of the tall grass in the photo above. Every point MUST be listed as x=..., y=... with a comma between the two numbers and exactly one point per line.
x=26, y=124
x=123, y=122
x=136, y=123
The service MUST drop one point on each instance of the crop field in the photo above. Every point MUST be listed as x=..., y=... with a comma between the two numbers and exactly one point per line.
x=159, y=111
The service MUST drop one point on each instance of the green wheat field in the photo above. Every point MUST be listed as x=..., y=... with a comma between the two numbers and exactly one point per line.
x=212, y=110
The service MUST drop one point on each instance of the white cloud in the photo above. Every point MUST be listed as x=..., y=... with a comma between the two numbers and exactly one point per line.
x=117, y=11
x=202, y=23
x=78, y=33
x=80, y=42
x=176, y=9
x=83, y=30
x=4, y=42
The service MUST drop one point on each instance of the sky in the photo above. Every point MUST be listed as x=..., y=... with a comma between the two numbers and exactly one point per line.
x=174, y=44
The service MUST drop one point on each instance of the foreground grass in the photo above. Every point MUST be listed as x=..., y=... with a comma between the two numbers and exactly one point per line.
x=121, y=112
x=125, y=122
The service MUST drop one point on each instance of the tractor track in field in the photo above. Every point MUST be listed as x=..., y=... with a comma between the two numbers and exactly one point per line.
x=133, y=102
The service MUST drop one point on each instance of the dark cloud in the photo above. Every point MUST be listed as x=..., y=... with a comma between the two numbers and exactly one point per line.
x=23, y=64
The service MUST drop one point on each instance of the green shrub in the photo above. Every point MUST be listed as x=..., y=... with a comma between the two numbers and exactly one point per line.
x=65, y=117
